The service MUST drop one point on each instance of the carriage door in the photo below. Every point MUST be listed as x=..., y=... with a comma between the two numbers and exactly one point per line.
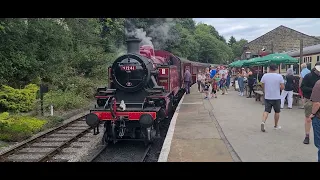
x=194, y=73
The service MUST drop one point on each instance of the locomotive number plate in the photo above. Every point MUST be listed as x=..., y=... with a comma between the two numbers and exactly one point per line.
x=128, y=68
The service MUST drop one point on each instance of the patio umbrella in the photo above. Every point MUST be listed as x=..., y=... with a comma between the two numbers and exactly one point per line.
x=279, y=58
x=252, y=62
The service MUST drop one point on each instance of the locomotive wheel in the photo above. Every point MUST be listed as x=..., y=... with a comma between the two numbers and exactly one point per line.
x=113, y=131
x=149, y=135
x=105, y=138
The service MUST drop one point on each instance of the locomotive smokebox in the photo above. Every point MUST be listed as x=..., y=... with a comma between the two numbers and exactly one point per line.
x=133, y=45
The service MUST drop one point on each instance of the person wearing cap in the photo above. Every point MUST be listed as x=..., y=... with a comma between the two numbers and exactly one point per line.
x=307, y=84
x=315, y=114
x=304, y=71
x=272, y=84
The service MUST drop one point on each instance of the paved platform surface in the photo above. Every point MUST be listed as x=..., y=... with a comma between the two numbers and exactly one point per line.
x=228, y=129
x=194, y=135
x=240, y=119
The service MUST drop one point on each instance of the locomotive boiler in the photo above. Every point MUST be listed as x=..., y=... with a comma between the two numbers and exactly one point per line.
x=144, y=88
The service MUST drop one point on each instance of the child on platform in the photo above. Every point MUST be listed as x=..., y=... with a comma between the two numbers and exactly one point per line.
x=223, y=84
x=206, y=88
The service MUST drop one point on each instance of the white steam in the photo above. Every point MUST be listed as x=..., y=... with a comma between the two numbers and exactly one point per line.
x=161, y=33
x=158, y=35
x=141, y=34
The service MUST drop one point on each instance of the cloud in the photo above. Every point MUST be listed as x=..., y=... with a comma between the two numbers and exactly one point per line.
x=251, y=28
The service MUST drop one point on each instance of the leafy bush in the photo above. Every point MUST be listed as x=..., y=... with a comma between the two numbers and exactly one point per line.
x=64, y=100
x=17, y=127
x=82, y=86
x=53, y=121
x=18, y=100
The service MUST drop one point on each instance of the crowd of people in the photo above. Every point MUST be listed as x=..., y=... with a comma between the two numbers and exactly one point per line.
x=216, y=78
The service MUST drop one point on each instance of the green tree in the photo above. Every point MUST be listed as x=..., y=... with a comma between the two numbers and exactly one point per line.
x=232, y=41
x=237, y=48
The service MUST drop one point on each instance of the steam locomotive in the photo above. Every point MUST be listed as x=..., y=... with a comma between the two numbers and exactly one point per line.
x=145, y=86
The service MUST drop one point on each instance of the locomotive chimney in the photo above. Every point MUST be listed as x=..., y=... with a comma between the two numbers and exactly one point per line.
x=133, y=45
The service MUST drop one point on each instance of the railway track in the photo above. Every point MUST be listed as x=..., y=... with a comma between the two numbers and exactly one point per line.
x=56, y=145
x=125, y=152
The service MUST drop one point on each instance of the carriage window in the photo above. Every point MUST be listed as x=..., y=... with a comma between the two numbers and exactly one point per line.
x=194, y=70
x=170, y=60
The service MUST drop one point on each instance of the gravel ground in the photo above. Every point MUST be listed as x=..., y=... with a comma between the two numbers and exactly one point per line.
x=122, y=151
x=132, y=151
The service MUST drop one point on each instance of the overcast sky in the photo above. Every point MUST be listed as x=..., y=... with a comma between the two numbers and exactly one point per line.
x=251, y=28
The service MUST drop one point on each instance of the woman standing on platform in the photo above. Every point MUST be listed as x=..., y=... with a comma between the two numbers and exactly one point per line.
x=241, y=81
x=228, y=79
x=288, y=89
x=250, y=83
x=200, y=81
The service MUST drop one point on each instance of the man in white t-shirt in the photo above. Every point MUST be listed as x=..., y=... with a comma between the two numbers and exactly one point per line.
x=272, y=85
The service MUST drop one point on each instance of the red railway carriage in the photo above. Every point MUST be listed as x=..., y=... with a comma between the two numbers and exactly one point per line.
x=144, y=88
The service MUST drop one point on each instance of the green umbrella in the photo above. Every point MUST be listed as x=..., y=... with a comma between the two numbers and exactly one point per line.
x=238, y=63
x=252, y=62
x=279, y=58
x=231, y=64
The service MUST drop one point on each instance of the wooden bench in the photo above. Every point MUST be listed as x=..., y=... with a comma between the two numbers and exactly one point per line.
x=259, y=96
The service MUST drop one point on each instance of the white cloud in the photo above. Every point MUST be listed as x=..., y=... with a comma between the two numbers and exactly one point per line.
x=251, y=28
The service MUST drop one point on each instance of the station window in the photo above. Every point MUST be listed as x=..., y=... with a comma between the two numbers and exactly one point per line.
x=318, y=58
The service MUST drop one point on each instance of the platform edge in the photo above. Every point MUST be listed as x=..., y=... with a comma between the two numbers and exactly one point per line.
x=163, y=157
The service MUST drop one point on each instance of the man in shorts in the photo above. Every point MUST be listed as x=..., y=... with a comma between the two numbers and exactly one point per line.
x=307, y=84
x=272, y=84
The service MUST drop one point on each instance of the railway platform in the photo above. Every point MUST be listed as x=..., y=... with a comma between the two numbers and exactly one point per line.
x=194, y=134
x=227, y=129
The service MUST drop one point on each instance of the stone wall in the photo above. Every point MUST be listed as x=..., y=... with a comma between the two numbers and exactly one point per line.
x=283, y=39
